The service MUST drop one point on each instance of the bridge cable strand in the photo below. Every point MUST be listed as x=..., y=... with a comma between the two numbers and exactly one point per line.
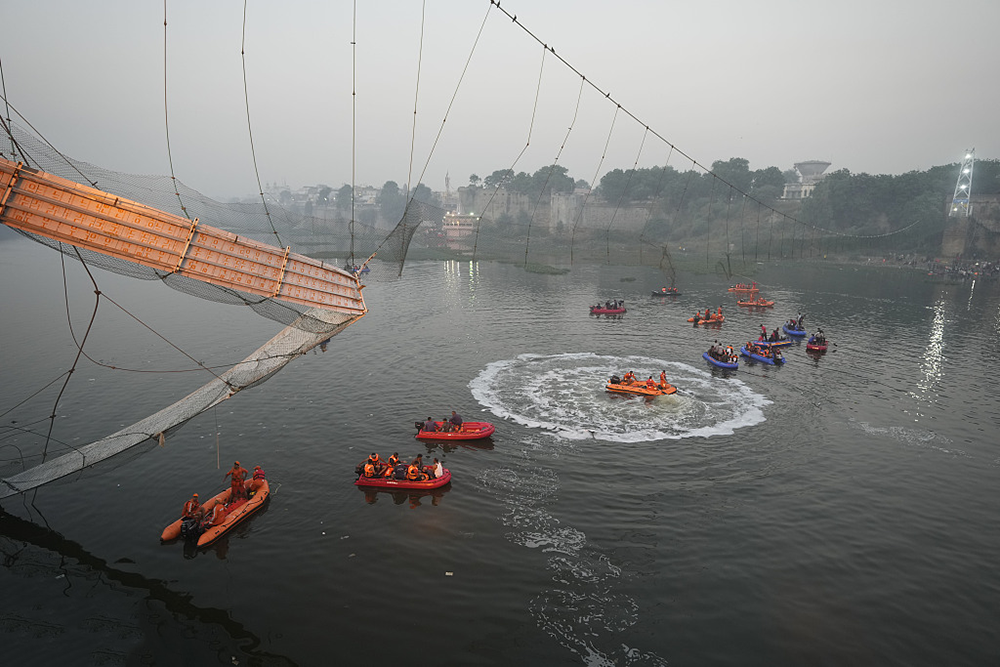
x=597, y=170
x=166, y=117
x=607, y=95
x=510, y=171
x=621, y=195
x=552, y=168
x=253, y=152
x=354, y=120
x=416, y=97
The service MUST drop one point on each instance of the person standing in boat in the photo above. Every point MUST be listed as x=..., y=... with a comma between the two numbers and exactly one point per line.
x=663, y=379
x=237, y=489
x=455, y=421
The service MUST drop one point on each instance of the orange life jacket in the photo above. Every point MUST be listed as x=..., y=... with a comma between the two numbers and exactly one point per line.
x=413, y=472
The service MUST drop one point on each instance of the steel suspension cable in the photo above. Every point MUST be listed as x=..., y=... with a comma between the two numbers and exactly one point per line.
x=246, y=101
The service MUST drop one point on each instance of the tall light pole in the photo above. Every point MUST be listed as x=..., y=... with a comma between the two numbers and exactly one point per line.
x=960, y=206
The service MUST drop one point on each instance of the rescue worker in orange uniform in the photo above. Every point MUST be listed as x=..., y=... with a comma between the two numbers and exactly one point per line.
x=215, y=516
x=663, y=379
x=236, y=483
x=257, y=481
x=192, y=508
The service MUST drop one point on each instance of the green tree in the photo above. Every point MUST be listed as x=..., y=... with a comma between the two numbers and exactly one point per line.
x=391, y=201
x=344, y=197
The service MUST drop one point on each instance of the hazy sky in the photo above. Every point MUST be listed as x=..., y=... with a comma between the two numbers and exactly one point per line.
x=877, y=86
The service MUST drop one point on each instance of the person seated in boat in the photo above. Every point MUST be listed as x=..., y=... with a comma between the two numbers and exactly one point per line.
x=376, y=462
x=418, y=461
x=369, y=470
x=393, y=460
x=650, y=384
x=215, y=516
x=237, y=490
x=438, y=468
x=445, y=426
x=192, y=508
x=456, y=421
x=431, y=470
x=256, y=481
x=819, y=338
x=413, y=473
x=429, y=425
x=400, y=471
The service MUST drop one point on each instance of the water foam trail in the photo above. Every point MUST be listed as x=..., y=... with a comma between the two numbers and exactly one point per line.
x=582, y=613
x=564, y=394
x=911, y=436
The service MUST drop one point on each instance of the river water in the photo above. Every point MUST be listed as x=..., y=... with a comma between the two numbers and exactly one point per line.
x=841, y=509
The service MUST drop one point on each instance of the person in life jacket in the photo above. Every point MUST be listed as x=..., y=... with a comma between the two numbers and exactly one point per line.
x=394, y=459
x=257, y=481
x=236, y=484
x=369, y=470
x=663, y=379
x=376, y=461
x=215, y=516
x=650, y=384
x=412, y=472
x=192, y=508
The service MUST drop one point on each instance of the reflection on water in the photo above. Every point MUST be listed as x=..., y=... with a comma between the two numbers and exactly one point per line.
x=931, y=361
x=414, y=497
x=65, y=572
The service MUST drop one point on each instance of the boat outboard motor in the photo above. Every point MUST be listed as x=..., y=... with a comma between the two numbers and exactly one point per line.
x=190, y=528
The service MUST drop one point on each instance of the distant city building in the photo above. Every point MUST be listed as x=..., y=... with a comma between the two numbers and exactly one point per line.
x=458, y=227
x=810, y=174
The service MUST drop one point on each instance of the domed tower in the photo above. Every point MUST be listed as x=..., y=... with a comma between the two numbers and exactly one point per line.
x=810, y=173
x=811, y=170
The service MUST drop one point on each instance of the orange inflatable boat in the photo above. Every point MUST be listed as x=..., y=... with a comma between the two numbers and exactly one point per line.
x=235, y=513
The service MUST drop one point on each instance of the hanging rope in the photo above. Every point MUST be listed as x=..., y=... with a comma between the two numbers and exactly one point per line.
x=253, y=152
x=527, y=142
x=586, y=198
x=166, y=117
x=621, y=196
x=416, y=96
x=354, y=121
x=552, y=169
